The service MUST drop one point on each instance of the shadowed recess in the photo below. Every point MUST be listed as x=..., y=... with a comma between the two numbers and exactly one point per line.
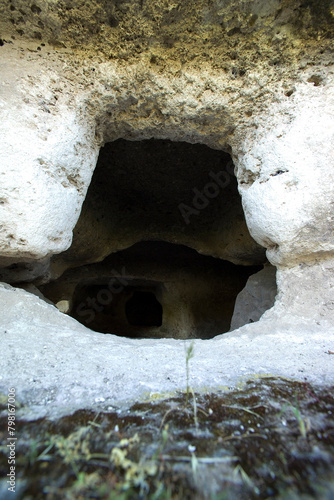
x=161, y=248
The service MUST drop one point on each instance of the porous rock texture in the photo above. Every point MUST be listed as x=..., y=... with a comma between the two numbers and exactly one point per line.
x=256, y=298
x=252, y=79
x=58, y=366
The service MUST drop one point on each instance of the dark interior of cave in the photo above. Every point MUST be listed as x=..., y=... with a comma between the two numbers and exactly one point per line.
x=168, y=217
x=154, y=289
x=143, y=309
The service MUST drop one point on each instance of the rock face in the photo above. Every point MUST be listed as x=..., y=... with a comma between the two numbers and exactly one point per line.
x=256, y=298
x=236, y=82
x=64, y=366
x=46, y=160
x=286, y=189
x=193, y=86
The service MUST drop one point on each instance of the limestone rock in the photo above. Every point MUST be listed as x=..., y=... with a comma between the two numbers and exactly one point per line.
x=251, y=79
x=289, y=208
x=47, y=159
x=29, y=287
x=65, y=366
x=280, y=167
x=305, y=291
x=256, y=298
x=63, y=306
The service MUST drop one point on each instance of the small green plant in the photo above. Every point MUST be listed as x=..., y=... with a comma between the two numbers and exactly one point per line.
x=190, y=353
x=83, y=483
x=239, y=471
x=164, y=439
x=303, y=424
x=195, y=409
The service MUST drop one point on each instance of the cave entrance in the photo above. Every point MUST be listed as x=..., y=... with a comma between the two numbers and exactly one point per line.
x=165, y=219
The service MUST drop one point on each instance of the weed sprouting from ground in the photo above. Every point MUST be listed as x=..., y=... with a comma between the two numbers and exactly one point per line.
x=190, y=353
x=303, y=424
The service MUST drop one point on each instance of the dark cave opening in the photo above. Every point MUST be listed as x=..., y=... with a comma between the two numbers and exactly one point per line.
x=143, y=309
x=176, y=192
x=166, y=217
x=154, y=289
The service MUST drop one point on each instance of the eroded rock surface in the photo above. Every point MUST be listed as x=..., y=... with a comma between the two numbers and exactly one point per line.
x=247, y=78
x=64, y=366
x=256, y=298
x=250, y=79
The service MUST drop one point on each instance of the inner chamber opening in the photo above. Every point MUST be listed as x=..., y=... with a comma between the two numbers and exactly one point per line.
x=143, y=309
x=161, y=248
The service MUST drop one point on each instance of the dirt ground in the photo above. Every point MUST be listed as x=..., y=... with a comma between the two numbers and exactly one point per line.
x=271, y=438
